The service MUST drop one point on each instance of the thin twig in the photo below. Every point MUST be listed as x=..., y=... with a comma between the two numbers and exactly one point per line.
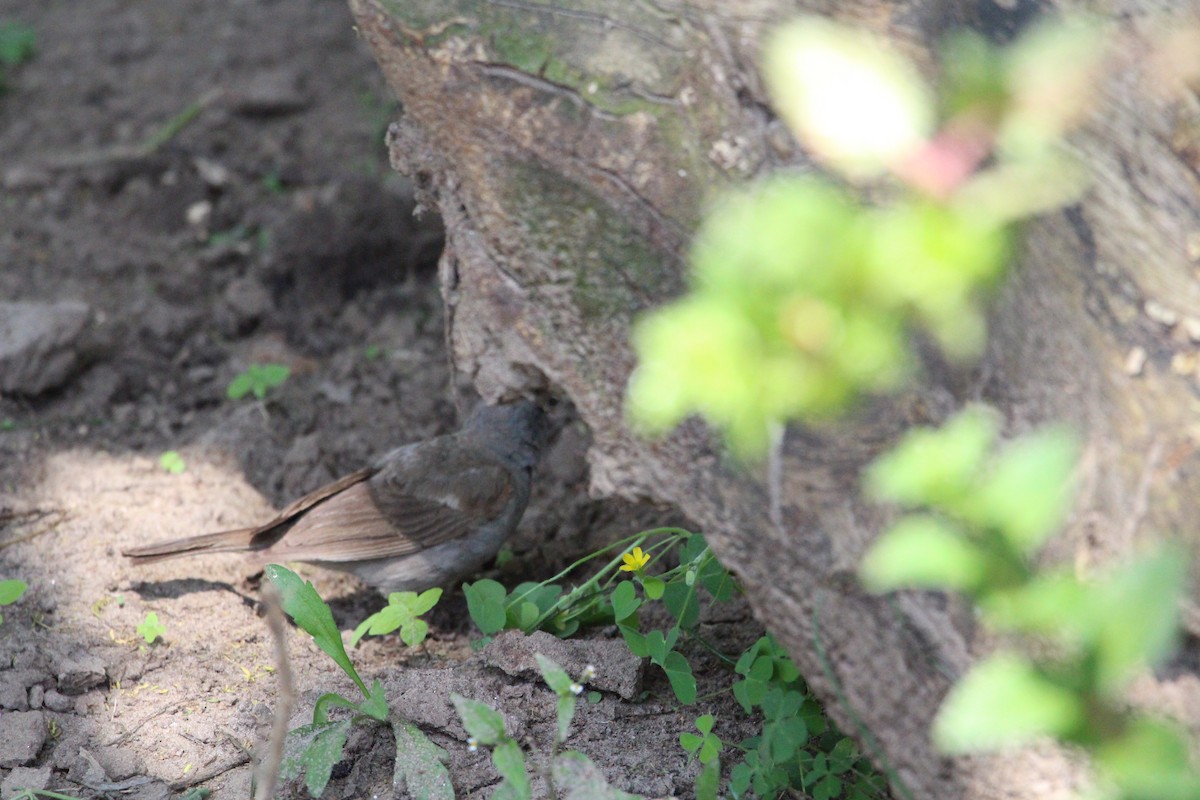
x=134, y=152
x=62, y=517
x=268, y=768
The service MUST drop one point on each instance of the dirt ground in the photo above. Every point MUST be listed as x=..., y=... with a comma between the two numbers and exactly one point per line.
x=268, y=228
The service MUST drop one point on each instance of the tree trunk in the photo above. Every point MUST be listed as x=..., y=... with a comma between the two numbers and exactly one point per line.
x=572, y=150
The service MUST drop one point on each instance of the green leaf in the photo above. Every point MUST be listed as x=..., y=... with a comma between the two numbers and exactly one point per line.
x=256, y=380
x=425, y=601
x=383, y=621
x=314, y=750
x=710, y=749
x=624, y=601
x=1027, y=495
x=1138, y=615
x=690, y=741
x=481, y=720
x=327, y=701
x=172, y=462
x=150, y=628
x=11, y=591
x=414, y=632
x=827, y=788
x=657, y=644
x=634, y=640
x=420, y=771
x=923, y=552
x=708, y=782
x=1053, y=603
x=654, y=587
x=375, y=706
x=239, y=387
x=566, y=712
x=17, y=43
x=301, y=602
x=683, y=604
x=510, y=763
x=679, y=673
x=556, y=677
x=485, y=604
x=1005, y=701
x=1150, y=759
x=523, y=616
x=934, y=467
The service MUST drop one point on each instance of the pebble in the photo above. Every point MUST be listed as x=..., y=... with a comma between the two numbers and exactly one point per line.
x=24, y=734
x=248, y=299
x=269, y=93
x=57, y=701
x=38, y=344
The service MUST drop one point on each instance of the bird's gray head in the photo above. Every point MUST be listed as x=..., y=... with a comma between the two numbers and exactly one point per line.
x=514, y=431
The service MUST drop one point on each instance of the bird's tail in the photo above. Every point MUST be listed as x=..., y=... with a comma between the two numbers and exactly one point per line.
x=221, y=542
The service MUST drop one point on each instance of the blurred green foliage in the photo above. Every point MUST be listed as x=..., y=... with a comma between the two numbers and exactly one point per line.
x=18, y=43
x=10, y=592
x=257, y=379
x=976, y=519
x=803, y=296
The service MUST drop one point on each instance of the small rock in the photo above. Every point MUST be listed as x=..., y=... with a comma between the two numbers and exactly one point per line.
x=86, y=770
x=1193, y=246
x=25, y=177
x=1135, y=361
x=38, y=344
x=615, y=668
x=14, y=688
x=77, y=675
x=119, y=762
x=270, y=93
x=1184, y=363
x=1161, y=314
x=57, y=701
x=198, y=215
x=37, y=696
x=248, y=299
x=24, y=734
x=214, y=175
x=155, y=790
x=35, y=779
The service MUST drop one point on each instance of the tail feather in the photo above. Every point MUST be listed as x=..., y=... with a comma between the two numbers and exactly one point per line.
x=221, y=542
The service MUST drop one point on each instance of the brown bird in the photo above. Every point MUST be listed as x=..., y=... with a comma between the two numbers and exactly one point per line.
x=423, y=515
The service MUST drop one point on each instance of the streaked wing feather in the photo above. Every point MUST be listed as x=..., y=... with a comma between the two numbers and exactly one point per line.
x=350, y=527
x=317, y=495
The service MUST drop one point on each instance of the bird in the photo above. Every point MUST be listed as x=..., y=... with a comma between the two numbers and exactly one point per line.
x=421, y=516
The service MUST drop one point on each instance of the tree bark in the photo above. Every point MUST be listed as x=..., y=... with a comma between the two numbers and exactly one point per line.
x=572, y=150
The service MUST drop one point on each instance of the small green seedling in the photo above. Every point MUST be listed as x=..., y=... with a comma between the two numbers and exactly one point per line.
x=172, y=462
x=707, y=746
x=11, y=591
x=150, y=628
x=402, y=611
x=256, y=380
x=17, y=45
x=315, y=749
x=571, y=770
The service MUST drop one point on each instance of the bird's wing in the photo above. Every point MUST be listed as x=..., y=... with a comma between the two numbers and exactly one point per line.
x=317, y=495
x=398, y=511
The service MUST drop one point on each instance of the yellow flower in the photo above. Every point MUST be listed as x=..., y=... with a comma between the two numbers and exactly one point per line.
x=635, y=561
